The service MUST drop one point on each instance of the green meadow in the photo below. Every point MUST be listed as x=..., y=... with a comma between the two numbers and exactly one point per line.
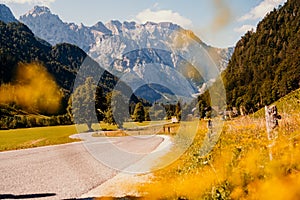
x=35, y=137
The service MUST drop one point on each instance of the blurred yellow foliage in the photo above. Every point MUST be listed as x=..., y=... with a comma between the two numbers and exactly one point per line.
x=239, y=166
x=33, y=89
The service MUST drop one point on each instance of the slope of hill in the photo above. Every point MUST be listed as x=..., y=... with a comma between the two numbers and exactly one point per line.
x=265, y=64
x=287, y=105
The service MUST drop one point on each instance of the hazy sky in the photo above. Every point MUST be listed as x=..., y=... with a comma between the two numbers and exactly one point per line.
x=219, y=23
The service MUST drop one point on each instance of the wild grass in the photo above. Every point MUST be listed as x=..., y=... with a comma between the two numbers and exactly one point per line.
x=239, y=166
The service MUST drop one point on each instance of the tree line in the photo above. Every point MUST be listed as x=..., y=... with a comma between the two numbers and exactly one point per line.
x=90, y=104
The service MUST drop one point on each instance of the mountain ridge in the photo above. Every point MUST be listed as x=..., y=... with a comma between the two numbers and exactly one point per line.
x=51, y=28
x=110, y=44
x=6, y=14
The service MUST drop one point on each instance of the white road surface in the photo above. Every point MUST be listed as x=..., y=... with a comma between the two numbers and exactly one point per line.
x=71, y=170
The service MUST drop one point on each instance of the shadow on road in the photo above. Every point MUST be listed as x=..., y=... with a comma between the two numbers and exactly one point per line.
x=26, y=196
x=109, y=198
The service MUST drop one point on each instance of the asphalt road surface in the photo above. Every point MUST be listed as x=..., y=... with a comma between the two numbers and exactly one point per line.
x=69, y=170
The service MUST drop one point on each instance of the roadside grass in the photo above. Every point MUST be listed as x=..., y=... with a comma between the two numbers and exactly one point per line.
x=23, y=138
x=239, y=165
x=112, y=127
x=131, y=129
x=35, y=137
x=81, y=128
x=130, y=125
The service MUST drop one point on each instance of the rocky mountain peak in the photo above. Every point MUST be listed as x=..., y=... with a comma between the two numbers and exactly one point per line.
x=39, y=10
x=114, y=26
x=99, y=26
x=6, y=14
x=169, y=25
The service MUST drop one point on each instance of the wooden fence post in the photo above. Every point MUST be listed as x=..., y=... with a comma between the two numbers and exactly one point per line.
x=210, y=127
x=271, y=123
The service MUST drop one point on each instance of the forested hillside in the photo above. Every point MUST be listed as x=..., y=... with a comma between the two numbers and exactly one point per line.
x=19, y=46
x=265, y=64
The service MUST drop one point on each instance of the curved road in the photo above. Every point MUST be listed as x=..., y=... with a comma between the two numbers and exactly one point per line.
x=69, y=170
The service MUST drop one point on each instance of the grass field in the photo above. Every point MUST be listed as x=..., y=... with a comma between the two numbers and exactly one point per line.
x=42, y=136
x=34, y=137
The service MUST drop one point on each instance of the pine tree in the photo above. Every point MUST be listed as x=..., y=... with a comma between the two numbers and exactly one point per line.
x=84, y=103
x=139, y=113
x=157, y=112
x=178, y=111
x=108, y=117
x=100, y=103
x=120, y=108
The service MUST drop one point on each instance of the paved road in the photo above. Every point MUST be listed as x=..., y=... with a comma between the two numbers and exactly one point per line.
x=69, y=170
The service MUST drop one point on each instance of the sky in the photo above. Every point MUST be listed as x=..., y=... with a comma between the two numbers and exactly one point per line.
x=219, y=23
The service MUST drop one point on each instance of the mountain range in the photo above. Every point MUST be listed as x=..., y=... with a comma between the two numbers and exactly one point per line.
x=51, y=28
x=140, y=54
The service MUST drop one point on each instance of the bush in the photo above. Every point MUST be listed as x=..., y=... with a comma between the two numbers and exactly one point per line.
x=28, y=121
